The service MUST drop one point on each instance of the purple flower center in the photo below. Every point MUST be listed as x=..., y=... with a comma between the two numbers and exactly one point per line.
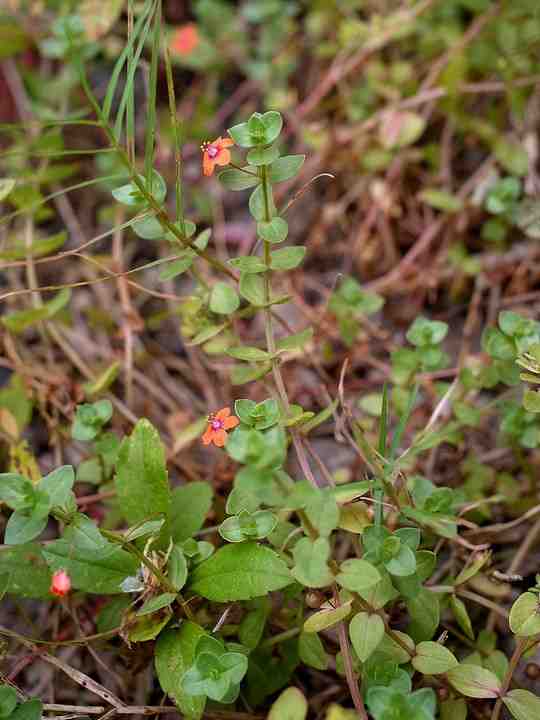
x=216, y=424
x=212, y=151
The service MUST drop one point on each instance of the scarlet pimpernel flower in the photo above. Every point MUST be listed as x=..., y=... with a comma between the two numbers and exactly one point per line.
x=184, y=39
x=218, y=424
x=216, y=153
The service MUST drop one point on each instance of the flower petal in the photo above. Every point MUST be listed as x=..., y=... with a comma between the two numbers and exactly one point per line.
x=208, y=436
x=223, y=158
x=220, y=438
x=230, y=422
x=223, y=413
x=208, y=164
x=226, y=142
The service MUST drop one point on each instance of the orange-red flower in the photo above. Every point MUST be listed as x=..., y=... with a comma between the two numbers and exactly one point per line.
x=216, y=153
x=184, y=39
x=218, y=424
x=60, y=583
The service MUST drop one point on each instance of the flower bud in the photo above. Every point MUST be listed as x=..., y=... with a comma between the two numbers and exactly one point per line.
x=60, y=583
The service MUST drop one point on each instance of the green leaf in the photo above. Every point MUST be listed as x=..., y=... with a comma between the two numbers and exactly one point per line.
x=441, y=200
x=380, y=594
x=177, y=267
x=474, y=681
x=58, y=485
x=40, y=247
x=497, y=662
x=257, y=205
x=390, y=650
x=242, y=374
x=400, y=128
x=262, y=155
x=311, y=562
x=527, y=217
x=186, y=232
x=15, y=398
x=156, y=603
x=498, y=345
x=257, y=128
x=273, y=122
x=141, y=478
x=327, y=618
x=190, y=504
x=531, y=401
x=273, y=231
x=454, y=709
x=94, y=564
x=366, y=632
x=8, y=700
x=207, y=333
x=149, y=228
x=223, y=299
x=258, y=415
x=248, y=264
x=522, y=704
x=240, y=572
x=237, y=180
x=128, y=194
x=251, y=628
x=296, y=341
x=29, y=710
x=177, y=567
x=402, y=564
x=432, y=658
x=252, y=289
x=19, y=321
x=21, y=528
x=512, y=156
x=311, y=651
x=290, y=705
x=248, y=525
x=287, y=258
x=241, y=135
x=13, y=37
x=249, y=354
x=144, y=529
x=258, y=449
x=104, y=381
x=24, y=572
x=525, y=616
x=459, y=610
x=90, y=418
x=285, y=168
x=502, y=197
x=147, y=627
x=424, y=332
x=16, y=491
x=99, y=17
x=425, y=615
x=6, y=186
x=319, y=418
x=323, y=513
x=358, y=575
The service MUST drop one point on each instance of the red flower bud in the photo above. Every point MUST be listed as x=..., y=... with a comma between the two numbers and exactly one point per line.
x=60, y=583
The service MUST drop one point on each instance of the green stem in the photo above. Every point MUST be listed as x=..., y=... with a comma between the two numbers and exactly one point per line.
x=179, y=202
x=270, y=341
x=514, y=660
x=53, y=643
x=280, y=637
